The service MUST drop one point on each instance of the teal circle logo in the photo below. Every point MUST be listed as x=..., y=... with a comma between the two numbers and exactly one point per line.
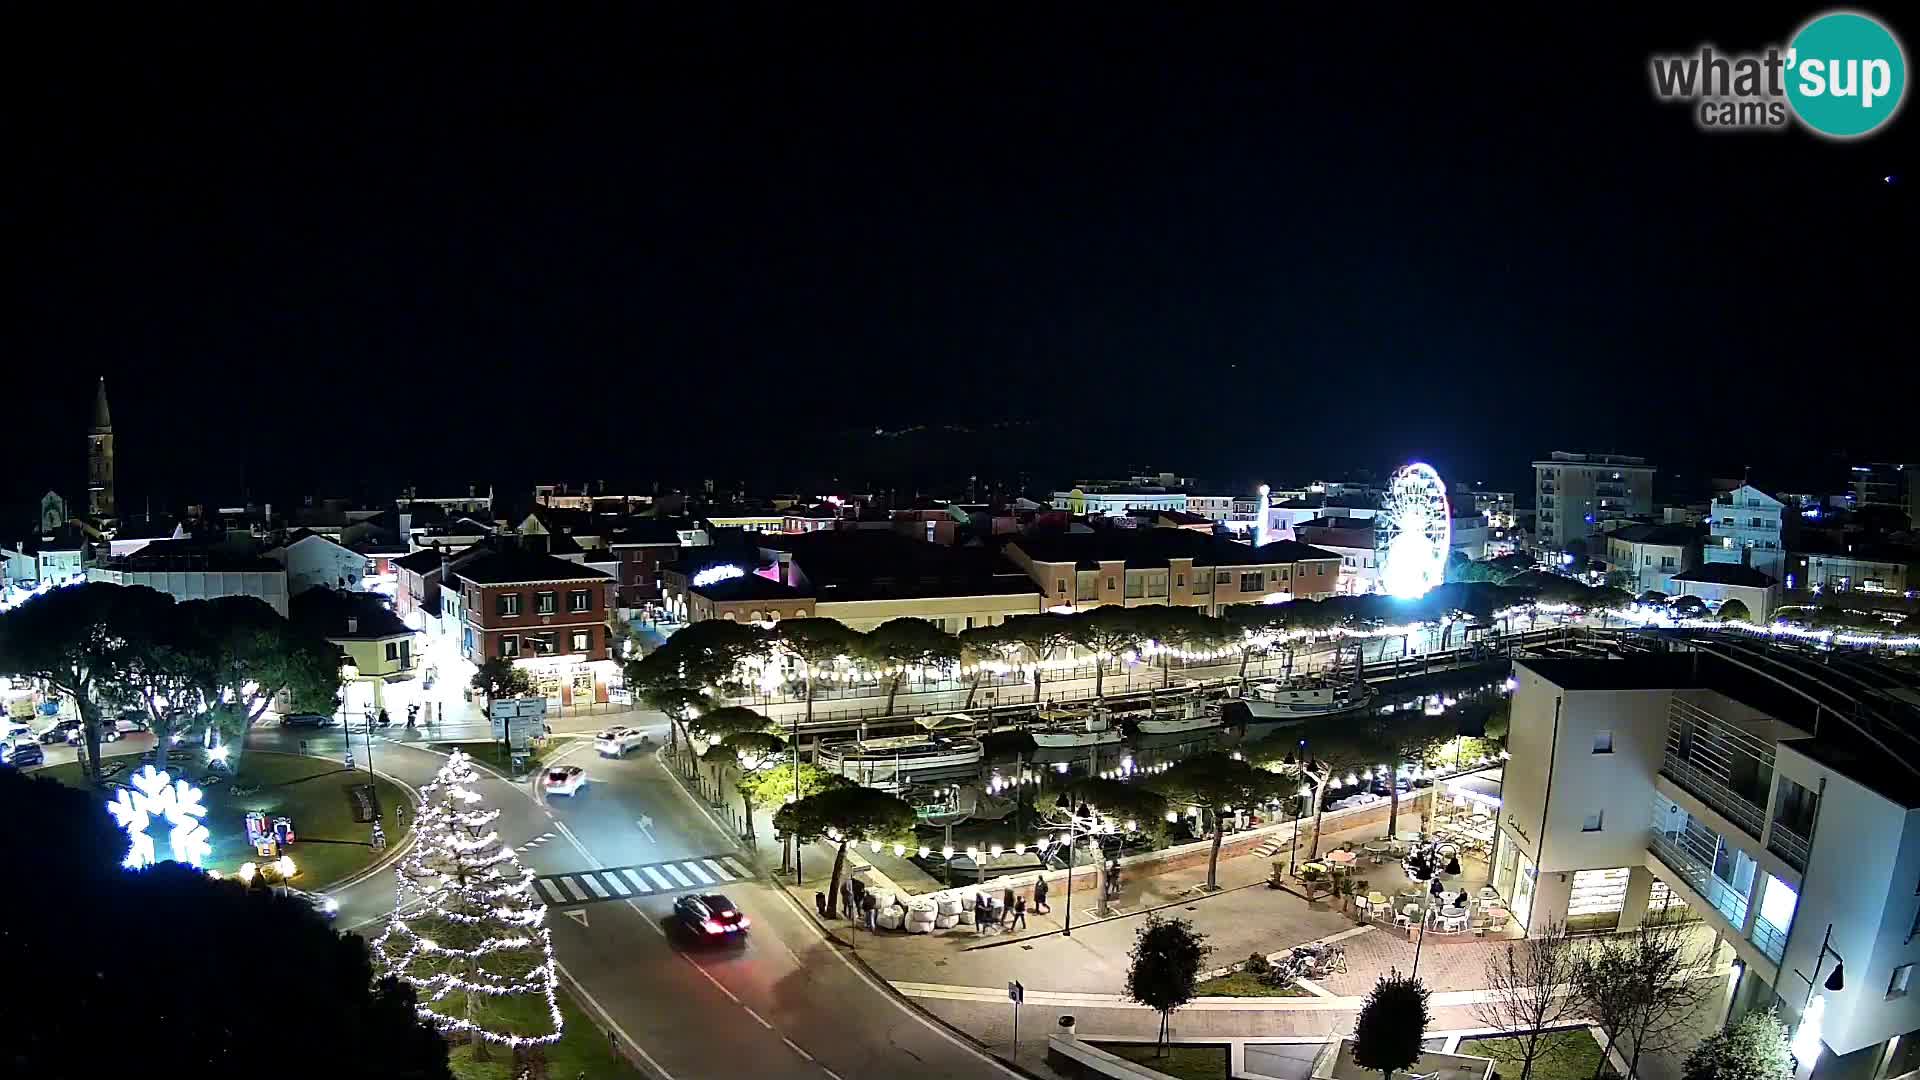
x=1846, y=74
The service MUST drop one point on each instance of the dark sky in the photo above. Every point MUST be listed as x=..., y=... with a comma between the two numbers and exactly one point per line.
x=362, y=246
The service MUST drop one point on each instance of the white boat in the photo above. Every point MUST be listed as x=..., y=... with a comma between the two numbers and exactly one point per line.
x=1303, y=698
x=892, y=761
x=1061, y=729
x=1195, y=717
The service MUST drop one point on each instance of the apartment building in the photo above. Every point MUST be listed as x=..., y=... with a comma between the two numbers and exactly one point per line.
x=1579, y=496
x=1138, y=567
x=1745, y=526
x=1771, y=794
x=1645, y=558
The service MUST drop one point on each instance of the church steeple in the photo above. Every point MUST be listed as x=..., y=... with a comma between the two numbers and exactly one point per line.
x=100, y=458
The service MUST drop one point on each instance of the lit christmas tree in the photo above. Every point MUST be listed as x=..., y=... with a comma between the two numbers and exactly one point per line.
x=468, y=931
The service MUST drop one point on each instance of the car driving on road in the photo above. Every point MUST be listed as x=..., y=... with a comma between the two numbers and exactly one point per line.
x=327, y=906
x=21, y=752
x=711, y=917
x=616, y=741
x=306, y=719
x=564, y=779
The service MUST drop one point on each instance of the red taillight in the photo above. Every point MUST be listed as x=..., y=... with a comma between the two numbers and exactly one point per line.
x=712, y=927
x=744, y=923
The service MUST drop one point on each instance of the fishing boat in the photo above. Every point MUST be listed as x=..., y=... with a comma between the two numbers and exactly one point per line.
x=893, y=761
x=1065, y=729
x=1303, y=698
x=1194, y=716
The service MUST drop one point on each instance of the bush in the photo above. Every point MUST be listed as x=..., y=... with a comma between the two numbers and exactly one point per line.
x=1256, y=964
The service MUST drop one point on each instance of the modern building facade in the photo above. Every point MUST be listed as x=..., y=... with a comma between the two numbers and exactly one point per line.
x=1773, y=796
x=1862, y=567
x=1579, y=496
x=1746, y=526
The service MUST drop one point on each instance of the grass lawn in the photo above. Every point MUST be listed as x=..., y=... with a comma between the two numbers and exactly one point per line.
x=1241, y=984
x=1187, y=1062
x=329, y=844
x=495, y=756
x=581, y=1052
x=1573, y=1055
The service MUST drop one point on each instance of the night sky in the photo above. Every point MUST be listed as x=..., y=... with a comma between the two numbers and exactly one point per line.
x=369, y=247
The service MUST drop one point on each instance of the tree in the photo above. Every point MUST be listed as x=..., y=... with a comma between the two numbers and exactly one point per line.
x=1400, y=738
x=1094, y=805
x=775, y=785
x=984, y=643
x=1734, y=611
x=1251, y=629
x=468, y=931
x=1690, y=607
x=846, y=815
x=1529, y=988
x=1040, y=636
x=253, y=657
x=1640, y=986
x=499, y=678
x=1105, y=633
x=744, y=741
x=899, y=644
x=1753, y=1047
x=78, y=641
x=1165, y=968
x=815, y=644
x=1216, y=782
x=1391, y=1025
x=1317, y=753
x=171, y=649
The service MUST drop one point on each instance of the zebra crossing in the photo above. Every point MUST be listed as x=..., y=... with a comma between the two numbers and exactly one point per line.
x=649, y=879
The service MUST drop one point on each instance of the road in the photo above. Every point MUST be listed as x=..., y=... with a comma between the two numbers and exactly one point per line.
x=785, y=1003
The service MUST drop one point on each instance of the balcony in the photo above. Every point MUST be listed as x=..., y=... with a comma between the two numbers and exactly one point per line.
x=1769, y=939
x=1717, y=762
x=1677, y=852
x=1789, y=845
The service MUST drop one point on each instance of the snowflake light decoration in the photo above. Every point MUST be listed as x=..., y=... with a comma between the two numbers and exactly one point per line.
x=155, y=794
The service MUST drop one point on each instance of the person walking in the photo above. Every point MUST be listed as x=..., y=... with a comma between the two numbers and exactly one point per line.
x=980, y=914
x=846, y=898
x=1020, y=913
x=870, y=908
x=1040, y=896
x=1006, y=907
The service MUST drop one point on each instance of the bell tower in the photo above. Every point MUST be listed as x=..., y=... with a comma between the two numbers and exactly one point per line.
x=100, y=457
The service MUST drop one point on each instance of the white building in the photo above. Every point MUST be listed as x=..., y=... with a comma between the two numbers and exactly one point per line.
x=1717, y=583
x=1745, y=527
x=186, y=571
x=1117, y=502
x=1645, y=558
x=313, y=561
x=52, y=558
x=1770, y=795
x=1580, y=496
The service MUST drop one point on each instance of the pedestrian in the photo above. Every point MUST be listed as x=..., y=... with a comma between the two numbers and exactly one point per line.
x=1020, y=914
x=859, y=894
x=980, y=914
x=1006, y=905
x=871, y=909
x=1040, y=895
x=846, y=898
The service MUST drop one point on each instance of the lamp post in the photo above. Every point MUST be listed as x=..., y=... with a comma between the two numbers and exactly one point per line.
x=1307, y=769
x=1806, y=1038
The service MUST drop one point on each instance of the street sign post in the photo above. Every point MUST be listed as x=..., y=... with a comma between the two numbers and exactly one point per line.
x=1016, y=993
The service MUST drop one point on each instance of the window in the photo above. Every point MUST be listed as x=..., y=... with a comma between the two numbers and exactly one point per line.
x=393, y=650
x=510, y=603
x=1179, y=581
x=1250, y=581
x=1320, y=571
x=546, y=603
x=1060, y=586
x=1667, y=562
x=579, y=600
x=1593, y=821
x=1110, y=584
x=1649, y=560
x=583, y=641
x=509, y=645
x=1603, y=742
x=1897, y=986
x=1221, y=577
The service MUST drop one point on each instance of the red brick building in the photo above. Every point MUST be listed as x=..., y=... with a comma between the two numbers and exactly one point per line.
x=529, y=605
x=642, y=548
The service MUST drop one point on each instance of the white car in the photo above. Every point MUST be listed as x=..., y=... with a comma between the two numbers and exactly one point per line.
x=616, y=741
x=564, y=779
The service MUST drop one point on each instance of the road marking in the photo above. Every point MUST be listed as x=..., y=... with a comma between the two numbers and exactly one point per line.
x=593, y=882
x=718, y=983
x=637, y=882
x=658, y=879
x=573, y=888
x=757, y=1016
x=836, y=1076
x=795, y=1047
x=718, y=873
x=594, y=1003
x=619, y=886
x=733, y=865
x=675, y=874
x=553, y=894
x=694, y=869
x=646, y=827
x=578, y=915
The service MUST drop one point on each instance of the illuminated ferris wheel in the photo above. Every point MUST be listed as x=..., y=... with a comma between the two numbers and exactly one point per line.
x=1413, y=532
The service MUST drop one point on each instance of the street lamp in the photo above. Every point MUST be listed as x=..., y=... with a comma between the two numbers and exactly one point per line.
x=1308, y=769
x=1813, y=1011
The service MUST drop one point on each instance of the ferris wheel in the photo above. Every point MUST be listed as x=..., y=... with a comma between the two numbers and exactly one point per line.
x=1413, y=532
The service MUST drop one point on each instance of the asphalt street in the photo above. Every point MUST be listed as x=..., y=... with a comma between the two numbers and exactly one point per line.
x=783, y=1003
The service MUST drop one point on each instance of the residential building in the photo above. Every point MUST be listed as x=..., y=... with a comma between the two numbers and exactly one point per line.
x=1496, y=506
x=53, y=558
x=192, y=570
x=1881, y=568
x=1717, y=583
x=424, y=589
x=1883, y=485
x=534, y=607
x=642, y=546
x=382, y=649
x=1745, y=526
x=1170, y=566
x=1212, y=507
x=1579, y=496
x=314, y=561
x=1644, y=558
x=730, y=583
x=864, y=578
x=1469, y=535
x=1116, y=502
x=1772, y=795
x=1353, y=540
x=100, y=499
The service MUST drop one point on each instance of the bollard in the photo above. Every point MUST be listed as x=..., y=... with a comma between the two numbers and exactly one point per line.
x=1066, y=1025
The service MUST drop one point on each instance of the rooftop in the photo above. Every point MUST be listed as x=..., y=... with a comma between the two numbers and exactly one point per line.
x=747, y=587
x=1147, y=548
x=327, y=612
x=194, y=555
x=1661, y=535
x=1726, y=574
x=514, y=565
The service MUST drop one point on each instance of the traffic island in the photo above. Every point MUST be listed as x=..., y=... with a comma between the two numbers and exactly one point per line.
x=330, y=807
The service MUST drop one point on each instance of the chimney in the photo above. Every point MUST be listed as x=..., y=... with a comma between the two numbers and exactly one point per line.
x=353, y=625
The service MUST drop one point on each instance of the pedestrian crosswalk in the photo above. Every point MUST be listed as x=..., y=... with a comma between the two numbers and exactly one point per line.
x=652, y=879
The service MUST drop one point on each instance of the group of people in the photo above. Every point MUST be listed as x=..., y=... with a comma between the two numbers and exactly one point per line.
x=1013, y=912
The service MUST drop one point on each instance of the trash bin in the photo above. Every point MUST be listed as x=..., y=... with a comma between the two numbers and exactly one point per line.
x=1066, y=1023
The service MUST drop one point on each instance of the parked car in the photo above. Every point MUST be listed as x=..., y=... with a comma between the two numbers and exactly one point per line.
x=616, y=741
x=306, y=719
x=62, y=731
x=711, y=917
x=564, y=779
x=128, y=722
x=21, y=753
